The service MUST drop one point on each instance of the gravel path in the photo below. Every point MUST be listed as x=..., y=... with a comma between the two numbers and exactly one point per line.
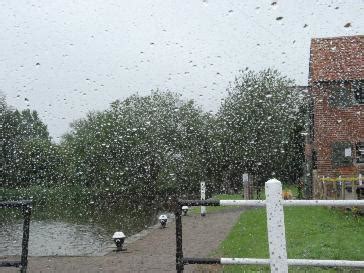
x=155, y=252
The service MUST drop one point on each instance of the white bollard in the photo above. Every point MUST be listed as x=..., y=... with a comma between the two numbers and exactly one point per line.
x=203, y=197
x=276, y=228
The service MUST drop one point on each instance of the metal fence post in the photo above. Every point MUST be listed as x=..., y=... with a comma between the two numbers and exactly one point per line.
x=179, y=250
x=26, y=209
x=276, y=228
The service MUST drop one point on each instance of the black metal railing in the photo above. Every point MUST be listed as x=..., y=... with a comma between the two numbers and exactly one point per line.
x=180, y=260
x=274, y=227
x=26, y=207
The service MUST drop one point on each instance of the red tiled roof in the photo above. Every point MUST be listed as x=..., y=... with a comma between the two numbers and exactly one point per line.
x=339, y=58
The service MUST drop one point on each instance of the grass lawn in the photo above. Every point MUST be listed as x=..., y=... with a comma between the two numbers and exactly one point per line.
x=311, y=232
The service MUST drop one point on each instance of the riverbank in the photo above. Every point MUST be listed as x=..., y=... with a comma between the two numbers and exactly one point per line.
x=153, y=252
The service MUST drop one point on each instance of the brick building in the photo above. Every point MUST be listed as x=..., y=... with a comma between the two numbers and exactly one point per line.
x=335, y=143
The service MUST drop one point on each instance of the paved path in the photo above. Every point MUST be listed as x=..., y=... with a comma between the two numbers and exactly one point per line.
x=154, y=252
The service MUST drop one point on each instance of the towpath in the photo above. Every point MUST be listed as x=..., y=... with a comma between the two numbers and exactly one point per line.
x=153, y=252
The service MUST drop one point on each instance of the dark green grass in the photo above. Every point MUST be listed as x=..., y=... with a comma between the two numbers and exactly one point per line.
x=311, y=232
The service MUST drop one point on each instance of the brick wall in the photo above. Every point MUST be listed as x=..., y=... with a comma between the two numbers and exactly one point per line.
x=340, y=58
x=334, y=124
x=332, y=62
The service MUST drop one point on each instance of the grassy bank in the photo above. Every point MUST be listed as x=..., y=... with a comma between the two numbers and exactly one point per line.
x=67, y=194
x=311, y=232
x=43, y=195
x=79, y=205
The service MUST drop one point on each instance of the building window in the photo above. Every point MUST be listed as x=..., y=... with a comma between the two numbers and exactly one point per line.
x=359, y=92
x=341, y=154
x=360, y=152
x=341, y=96
x=346, y=94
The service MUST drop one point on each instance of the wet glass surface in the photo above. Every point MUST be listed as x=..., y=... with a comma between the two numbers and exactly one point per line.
x=112, y=110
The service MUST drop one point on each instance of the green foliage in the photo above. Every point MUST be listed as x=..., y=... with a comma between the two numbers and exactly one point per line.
x=79, y=205
x=142, y=147
x=259, y=128
x=159, y=145
x=28, y=156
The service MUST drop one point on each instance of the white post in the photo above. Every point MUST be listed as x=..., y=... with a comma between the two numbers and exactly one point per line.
x=203, y=197
x=342, y=183
x=246, y=186
x=276, y=228
x=323, y=188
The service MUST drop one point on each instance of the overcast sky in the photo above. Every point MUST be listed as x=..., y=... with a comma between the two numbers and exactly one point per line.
x=64, y=58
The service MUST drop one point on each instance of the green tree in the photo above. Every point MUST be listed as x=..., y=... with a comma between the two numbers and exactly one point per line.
x=25, y=145
x=259, y=128
x=142, y=147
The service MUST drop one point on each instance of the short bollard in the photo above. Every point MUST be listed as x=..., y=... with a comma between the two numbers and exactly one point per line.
x=185, y=210
x=119, y=238
x=163, y=220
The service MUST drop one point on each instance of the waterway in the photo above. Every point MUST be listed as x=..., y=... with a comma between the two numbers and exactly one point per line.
x=74, y=229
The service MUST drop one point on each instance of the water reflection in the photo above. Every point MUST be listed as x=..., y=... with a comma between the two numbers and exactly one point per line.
x=49, y=238
x=72, y=231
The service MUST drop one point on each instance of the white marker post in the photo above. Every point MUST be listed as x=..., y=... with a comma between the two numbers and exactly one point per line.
x=360, y=179
x=246, y=186
x=203, y=197
x=276, y=229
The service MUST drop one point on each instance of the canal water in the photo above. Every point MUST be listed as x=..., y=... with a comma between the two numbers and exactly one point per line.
x=72, y=230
